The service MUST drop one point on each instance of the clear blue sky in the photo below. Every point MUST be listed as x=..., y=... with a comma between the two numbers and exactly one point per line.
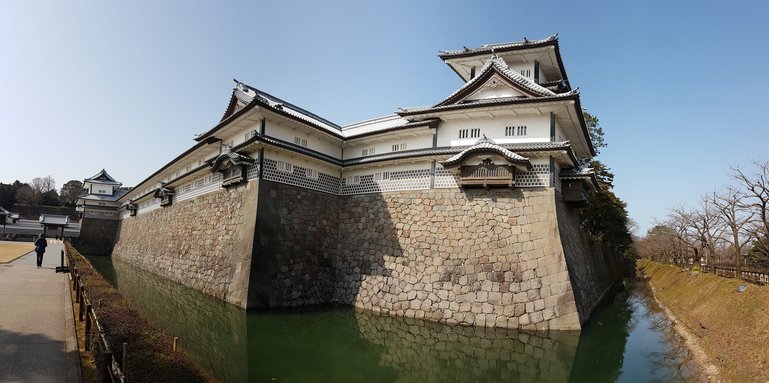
x=680, y=89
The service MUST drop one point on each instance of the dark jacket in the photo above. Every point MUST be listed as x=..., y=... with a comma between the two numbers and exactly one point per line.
x=40, y=245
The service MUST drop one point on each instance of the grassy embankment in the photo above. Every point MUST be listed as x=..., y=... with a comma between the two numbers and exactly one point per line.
x=731, y=328
x=150, y=358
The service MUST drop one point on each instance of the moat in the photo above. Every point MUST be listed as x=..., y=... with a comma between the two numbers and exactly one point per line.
x=626, y=340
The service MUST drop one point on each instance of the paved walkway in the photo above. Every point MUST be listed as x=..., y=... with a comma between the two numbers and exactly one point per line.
x=37, y=333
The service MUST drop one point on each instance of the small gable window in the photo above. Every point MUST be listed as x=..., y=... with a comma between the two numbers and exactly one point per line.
x=300, y=141
x=401, y=146
x=469, y=133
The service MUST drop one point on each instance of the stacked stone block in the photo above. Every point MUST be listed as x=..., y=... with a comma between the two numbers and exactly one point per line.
x=491, y=258
x=203, y=243
x=478, y=257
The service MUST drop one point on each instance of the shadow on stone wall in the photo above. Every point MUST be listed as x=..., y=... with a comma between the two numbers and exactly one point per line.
x=594, y=269
x=97, y=236
x=213, y=331
x=369, y=237
x=297, y=240
x=422, y=351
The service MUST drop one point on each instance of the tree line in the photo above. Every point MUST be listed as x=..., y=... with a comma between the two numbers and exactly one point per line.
x=605, y=218
x=728, y=226
x=41, y=191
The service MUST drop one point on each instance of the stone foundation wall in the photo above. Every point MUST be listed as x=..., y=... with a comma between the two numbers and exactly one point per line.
x=593, y=268
x=204, y=243
x=475, y=257
x=97, y=236
x=493, y=258
x=294, y=242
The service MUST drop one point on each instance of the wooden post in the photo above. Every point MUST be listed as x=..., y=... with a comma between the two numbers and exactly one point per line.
x=88, y=311
x=176, y=340
x=107, y=360
x=77, y=288
x=125, y=355
x=81, y=308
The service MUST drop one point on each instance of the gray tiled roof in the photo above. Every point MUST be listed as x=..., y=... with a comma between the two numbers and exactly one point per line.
x=452, y=150
x=107, y=198
x=489, y=48
x=486, y=145
x=230, y=156
x=486, y=102
x=102, y=178
x=243, y=93
x=498, y=64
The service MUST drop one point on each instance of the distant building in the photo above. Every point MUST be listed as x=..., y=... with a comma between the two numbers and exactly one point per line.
x=98, y=207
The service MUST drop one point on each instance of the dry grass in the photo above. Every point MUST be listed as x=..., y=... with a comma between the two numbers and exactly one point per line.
x=150, y=357
x=11, y=251
x=731, y=327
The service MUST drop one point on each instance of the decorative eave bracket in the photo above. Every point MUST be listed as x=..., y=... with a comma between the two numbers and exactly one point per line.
x=232, y=165
x=486, y=164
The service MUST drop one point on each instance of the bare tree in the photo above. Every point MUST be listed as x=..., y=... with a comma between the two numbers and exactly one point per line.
x=660, y=244
x=756, y=186
x=681, y=220
x=43, y=185
x=736, y=219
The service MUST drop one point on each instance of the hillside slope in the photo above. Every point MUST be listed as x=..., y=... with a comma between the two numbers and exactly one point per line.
x=732, y=328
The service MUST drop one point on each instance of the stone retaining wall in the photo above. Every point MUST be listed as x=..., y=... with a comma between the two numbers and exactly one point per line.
x=479, y=257
x=204, y=243
x=593, y=268
x=493, y=258
x=296, y=232
x=97, y=236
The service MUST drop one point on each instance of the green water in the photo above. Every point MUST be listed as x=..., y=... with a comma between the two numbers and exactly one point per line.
x=627, y=340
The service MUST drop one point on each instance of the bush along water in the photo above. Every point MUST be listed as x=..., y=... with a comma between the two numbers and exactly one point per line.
x=150, y=356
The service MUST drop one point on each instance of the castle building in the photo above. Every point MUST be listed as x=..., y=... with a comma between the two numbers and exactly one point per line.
x=464, y=211
x=98, y=208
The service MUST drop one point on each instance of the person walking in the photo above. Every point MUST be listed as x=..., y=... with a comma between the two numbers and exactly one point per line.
x=40, y=245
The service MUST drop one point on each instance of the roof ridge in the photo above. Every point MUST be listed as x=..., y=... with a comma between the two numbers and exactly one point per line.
x=371, y=120
x=490, y=47
x=262, y=94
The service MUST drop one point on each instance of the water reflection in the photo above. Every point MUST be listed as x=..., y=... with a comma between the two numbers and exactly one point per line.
x=211, y=331
x=423, y=351
x=626, y=341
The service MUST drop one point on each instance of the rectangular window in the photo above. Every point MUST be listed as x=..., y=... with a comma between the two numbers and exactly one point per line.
x=401, y=146
x=521, y=130
x=312, y=173
x=187, y=187
x=284, y=166
x=199, y=183
x=475, y=133
x=300, y=141
x=381, y=176
x=463, y=133
x=352, y=180
x=509, y=131
x=526, y=72
x=367, y=152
